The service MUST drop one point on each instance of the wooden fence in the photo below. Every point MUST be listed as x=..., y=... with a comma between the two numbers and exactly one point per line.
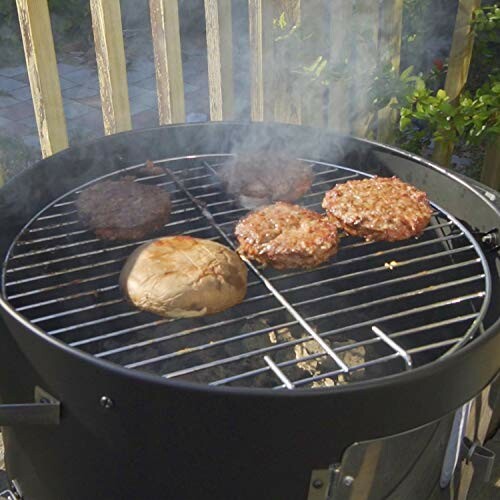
x=272, y=95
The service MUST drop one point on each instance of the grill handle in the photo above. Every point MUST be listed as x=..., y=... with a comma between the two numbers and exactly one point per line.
x=46, y=410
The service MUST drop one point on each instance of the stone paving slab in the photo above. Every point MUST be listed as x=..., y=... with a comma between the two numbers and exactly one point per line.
x=82, y=75
x=67, y=84
x=11, y=71
x=88, y=125
x=16, y=129
x=8, y=84
x=80, y=91
x=22, y=93
x=23, y=78
x=143, y=101
x=32, y=141
x=136, y=76
x=82, y=101
x=7, y=100
x=65, y=69
x=73, y=109
x=93, y=101
x=145, y=119
x=147, y=83
x=18, y=111
x=30, y=123
x=135, y=90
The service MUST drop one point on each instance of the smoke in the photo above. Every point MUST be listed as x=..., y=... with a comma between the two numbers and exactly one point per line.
x=323, y=58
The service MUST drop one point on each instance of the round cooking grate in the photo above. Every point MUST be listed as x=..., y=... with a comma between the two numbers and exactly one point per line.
x=373, y=310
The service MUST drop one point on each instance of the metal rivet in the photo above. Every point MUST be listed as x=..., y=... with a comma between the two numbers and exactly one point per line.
x=348, y=480
x=317, y=483
x=106, y=402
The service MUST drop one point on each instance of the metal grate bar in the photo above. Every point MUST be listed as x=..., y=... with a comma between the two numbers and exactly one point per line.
x=400, y=264
x=276, y=347
x=349, y=347
x=279, y=373
x=96, y=291
x=406, y=357
x=62, y=285
x=301, y=340
x=55, y=216
x=368, y=364
x=79, y=268
x=337, y=331
x=265, y=281
x=111, y=248
x=225, y=323
x=384, y=252
x=203, y=186
x=430, y=284
x=107, y=303
x=400, y=296
x=74, y=233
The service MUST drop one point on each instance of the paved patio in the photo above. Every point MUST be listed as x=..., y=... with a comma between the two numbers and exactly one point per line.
x=81, y=99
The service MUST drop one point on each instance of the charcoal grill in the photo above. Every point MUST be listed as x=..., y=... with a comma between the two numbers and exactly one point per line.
x=384, y=338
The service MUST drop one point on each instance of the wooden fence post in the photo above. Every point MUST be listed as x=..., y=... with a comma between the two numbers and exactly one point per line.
x=110, y=55
x=341, y=29
x=220, y=59
x=458, y=67
x=260, y=19
x=366, y=21
x=287, y=101
x=41, y=63
x=490, y=173
x=168, y=60
x=391, y=25
x=314, y=26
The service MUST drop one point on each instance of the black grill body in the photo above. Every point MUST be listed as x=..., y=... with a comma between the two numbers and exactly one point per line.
x=166, y=439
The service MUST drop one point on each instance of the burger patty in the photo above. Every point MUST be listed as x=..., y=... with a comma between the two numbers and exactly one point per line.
x=378, y=209
x=261, y=178
x=123, y=209
x=287, y=236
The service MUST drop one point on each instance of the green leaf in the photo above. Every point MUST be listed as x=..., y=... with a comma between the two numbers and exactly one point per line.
x=406, y=73
x=404, y=122
x=441, y=94
x=447, y=108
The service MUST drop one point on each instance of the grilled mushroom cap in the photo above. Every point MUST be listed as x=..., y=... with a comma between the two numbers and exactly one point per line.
x=180, y=276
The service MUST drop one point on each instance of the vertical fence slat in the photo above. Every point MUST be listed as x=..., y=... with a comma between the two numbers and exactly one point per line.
x=287, y=101
x=490, y=174
x=41, y=63
x=366, y=46
x=314, y=25
x=461, y=48
x=341, y=28
x=168, y=60
x=391, y=26
x=260, y=19
x=110, y=55
x=458, y=67
x=220, y=58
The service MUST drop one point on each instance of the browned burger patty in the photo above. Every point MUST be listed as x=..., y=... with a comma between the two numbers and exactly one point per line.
x=378, y=209
x=261, y=178
x=123, y=209
x=287, y=236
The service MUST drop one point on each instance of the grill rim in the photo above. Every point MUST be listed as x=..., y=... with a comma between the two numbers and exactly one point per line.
x=423, y=372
